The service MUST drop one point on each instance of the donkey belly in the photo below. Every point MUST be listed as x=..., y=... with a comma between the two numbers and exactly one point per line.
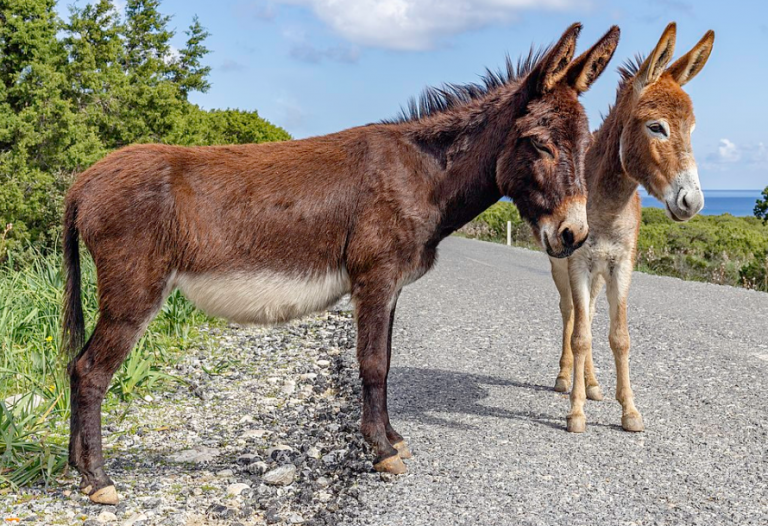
x=263, y=297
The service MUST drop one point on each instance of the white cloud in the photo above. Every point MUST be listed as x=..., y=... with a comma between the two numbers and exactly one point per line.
x=728, y=152
x=760, y=156
x=417, y=24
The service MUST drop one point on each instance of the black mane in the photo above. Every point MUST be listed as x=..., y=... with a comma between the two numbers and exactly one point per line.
x=627, y=72
x=435, y=100
x=629, y=69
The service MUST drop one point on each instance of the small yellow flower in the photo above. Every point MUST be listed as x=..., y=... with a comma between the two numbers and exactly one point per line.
x=49, y=339
x=51, y=388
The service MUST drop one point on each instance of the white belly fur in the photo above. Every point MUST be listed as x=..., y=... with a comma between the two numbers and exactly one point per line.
x=263, y=297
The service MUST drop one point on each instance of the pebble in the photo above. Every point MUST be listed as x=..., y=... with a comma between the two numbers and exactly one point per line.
x=237, y=489
x=135, y=519
x=198, y=455
x=295, y=518
x=106, y=516
x=282, y=476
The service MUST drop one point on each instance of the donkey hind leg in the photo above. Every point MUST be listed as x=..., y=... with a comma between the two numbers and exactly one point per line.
x=90, y=374
x=374, y=308
x=560, y=276
x=581, y=342
x=395, y=438
x=618, y=290
x=593, y=387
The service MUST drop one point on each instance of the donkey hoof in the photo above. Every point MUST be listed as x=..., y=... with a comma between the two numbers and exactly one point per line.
x=562, y=385
x=576, y=424
x=402, y=450
x=105, y=495
x=393, y=464
x=594, y=392
x=632, y=423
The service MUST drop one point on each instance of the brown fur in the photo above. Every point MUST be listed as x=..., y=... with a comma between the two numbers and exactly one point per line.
x=623, y=156
x=359, y=211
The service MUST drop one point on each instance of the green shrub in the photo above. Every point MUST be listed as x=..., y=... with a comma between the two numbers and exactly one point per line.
x=720, y=249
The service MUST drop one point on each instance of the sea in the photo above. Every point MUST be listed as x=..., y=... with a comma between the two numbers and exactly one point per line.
x=716, y=202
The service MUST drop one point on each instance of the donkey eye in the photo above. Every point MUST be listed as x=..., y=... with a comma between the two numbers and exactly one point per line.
x=657, y=128
x=543, y=149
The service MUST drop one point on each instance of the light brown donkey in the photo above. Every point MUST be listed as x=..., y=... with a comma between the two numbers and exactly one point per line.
x=266, y=233
x=644, y=140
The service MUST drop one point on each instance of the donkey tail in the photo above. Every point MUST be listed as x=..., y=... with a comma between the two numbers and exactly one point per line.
x=73, y=326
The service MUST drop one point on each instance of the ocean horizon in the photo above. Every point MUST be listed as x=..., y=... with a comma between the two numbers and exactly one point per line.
x=716, y=202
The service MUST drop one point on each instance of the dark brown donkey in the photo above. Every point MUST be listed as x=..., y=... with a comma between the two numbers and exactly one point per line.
x=267, y=233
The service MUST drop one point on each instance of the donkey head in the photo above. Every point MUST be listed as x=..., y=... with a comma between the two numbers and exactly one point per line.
x=542, y=167
x=658, y=120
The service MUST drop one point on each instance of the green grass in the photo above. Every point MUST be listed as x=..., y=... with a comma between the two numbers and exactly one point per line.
x=34, y=431
x=720, y=249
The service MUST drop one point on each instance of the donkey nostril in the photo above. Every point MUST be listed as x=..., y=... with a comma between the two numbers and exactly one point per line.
x=685, y=202
x=567, y=237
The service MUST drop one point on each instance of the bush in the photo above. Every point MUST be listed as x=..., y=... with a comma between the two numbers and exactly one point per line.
x=720, y=249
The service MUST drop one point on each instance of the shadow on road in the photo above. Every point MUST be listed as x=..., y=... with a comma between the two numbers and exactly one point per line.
x=420, y=394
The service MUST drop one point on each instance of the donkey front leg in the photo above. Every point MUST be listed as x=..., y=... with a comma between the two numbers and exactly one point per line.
x=618, y=290
x=581, y=342
x=593, y=387
x=560, y=276
x=374, y=305
x=563, y=381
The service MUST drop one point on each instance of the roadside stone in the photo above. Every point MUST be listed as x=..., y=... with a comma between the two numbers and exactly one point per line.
x=198, y=455
x=136, y=519
x=282, y=476
x=237, y=489
x=106, y=516
x=295, y=518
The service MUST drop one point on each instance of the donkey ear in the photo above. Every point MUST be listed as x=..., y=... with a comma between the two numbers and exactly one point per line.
x=689, y=65
x=654, y=65
x=554, y=65
x=584, y=70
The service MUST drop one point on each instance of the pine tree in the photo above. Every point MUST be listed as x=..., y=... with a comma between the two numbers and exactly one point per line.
x=188, y=72
x=70, y=92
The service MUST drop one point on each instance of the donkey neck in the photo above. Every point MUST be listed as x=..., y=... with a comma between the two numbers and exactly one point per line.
x=466, y=146
x=609, y=186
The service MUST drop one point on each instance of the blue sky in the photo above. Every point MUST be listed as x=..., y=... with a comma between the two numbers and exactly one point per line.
x=318, y=66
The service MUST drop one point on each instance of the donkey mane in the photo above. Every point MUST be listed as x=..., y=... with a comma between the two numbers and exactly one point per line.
x=627, y=72
x=435, y=100
x=629, y=69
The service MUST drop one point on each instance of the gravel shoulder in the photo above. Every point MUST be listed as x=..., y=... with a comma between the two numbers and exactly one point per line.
x=266, y=433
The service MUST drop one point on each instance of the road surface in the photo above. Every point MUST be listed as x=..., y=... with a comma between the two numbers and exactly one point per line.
x=476, y=348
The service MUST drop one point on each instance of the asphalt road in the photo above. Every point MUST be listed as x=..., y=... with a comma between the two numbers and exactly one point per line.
x=476, y=349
